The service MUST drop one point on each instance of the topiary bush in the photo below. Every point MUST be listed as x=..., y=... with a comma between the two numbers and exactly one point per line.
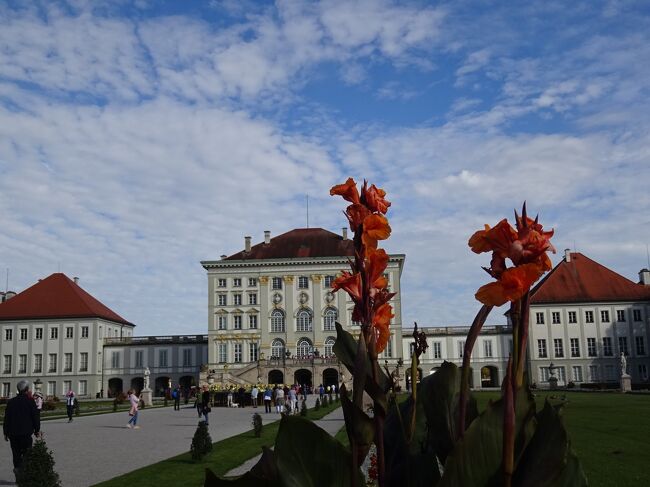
x=317, y=405
x=49, y=405
x=257, y=425
x=201, y=443
x=38, y=468
x=325, y=401
x=303, y=408
x=77, y=409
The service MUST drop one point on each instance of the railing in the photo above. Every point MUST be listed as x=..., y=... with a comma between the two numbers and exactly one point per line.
x=277, y=361
x=148, y=340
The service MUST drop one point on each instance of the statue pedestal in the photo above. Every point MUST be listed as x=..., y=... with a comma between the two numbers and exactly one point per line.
x=147, y=397
x=552, y=383
x=626, y=383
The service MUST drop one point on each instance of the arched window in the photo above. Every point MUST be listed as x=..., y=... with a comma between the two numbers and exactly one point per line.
x=304, y=348
x=277, y=321
x=329, y=319
x=277, y=348
x=304, y=320
x=329, y=347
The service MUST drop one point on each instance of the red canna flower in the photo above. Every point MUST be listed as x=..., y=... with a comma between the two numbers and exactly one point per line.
x=348, y=190
x=511, y=285
x=350, y=283
x=356, y=214
x=381, y=325
x=375, y=227
x=377, y=262
x=374, y=198
x=498, y=239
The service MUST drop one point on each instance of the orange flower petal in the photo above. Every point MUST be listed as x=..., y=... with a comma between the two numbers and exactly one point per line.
x=375, y=200
x=350, y=283
x=375, y=227
x=381, y=325
x=348, y=190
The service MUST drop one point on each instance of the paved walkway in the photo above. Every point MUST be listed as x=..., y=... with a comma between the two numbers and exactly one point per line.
x=92, y=449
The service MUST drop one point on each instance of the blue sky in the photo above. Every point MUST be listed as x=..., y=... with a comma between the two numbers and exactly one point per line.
x=138, y=138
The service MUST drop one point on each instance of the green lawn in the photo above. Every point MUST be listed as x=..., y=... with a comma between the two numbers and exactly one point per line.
x=226, y=455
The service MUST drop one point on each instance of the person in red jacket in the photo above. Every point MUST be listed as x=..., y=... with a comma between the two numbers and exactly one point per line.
x=21, y=421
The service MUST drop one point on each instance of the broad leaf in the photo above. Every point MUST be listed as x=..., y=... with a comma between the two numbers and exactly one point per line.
x=476, y=459
x=359, y=426
x=548, y=460
x=263, y=474
x=307, y=456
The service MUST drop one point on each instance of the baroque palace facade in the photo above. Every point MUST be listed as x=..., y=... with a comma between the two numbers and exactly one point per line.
x=271, y=313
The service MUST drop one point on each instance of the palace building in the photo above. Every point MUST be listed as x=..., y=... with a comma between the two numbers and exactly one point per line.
x=271, y=313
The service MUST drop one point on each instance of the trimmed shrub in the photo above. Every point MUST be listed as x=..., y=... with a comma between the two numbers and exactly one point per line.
x=49, y=405
x=201, y=443
x=77, y=409
x=325, y=401
x=38, y=468
x=317, y=405
x=303, y=408
x=257, y=425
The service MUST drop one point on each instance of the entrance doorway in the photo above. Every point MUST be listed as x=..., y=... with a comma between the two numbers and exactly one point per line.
x=276, y=377
x=489, y=376
x=114, y=386
x=331, y=377
x=302, y=377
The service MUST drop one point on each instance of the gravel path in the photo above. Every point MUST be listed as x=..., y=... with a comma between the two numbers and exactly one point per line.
x=96, y=448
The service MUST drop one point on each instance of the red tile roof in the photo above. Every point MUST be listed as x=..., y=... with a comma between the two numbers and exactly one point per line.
x=299, y=243
x=56, y=297
x=584, y=280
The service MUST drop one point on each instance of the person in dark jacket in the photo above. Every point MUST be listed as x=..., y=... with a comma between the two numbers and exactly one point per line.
x=21, y=421
x=205, y=404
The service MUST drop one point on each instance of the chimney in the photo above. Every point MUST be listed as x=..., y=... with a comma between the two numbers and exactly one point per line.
x=247, y=244
x=267, y=236
x=644, y=277
x=223, y=256
x=76, y=280
x=345, y=233
x=567, y=255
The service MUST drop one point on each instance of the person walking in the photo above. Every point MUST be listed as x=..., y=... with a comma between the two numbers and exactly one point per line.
x=293, y=401
x=21, y=421
x=279, y=400
x=69, y=404
x=230, y=398
x=38, y=399
x=176, y=394
x=133, y=412
x=321, y=392
x=241, y=397
x=268, y=395
x=205, y=404
x=254, y=393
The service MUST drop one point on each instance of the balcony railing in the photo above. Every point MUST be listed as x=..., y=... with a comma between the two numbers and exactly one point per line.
x=153, y=340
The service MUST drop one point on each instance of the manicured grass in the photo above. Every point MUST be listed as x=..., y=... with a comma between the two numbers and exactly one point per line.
x=226, y=455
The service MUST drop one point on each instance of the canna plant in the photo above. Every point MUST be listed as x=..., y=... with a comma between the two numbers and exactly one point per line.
x=436, y=437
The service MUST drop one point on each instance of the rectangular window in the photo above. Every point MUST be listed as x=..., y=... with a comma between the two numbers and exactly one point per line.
x=51, y=388
x=593, y=373
x=329, y=280
x=237, y=322
x=555, y=317
x=139, y=358
x=276, y=283
x=67, y=362
x=487, y=348
x=544, y=374
x=221, y=282
x=591, y=347
x=640, y=345
x=223, y=352
x=589, y=316
x=620, y=315
x=636, y=314
x=252, y=352
x=388, y=351
x=609, y=373
x=53, y=362
x=222, y=300
x=573, y=317
x=54, y=333
x=83, y=387
x=237, y=350
x=39, y=334
x=437, y=350
x=575, y=347
x=6, y=389
x=558, y=347
x=303, y=282
x=252, y=299
x=607, y=347
x=643, y=372
x=115, y=360
x=561, y=375
x=22, y=364
x=69, y=332
x=604, y=316
x=162, y=358
x=252, y=281
x=187, y=357
x=38, y=363
x=222, y=322
x=67, y=387
x=539, y=318
x=577, y=373
x=84, y=332
x=541, y=348
x=461, y=348
x=23, y=333
x=252, y=321
x=9, y=334
x=622, y=345
x=237, y=299
x=236, y=282
x=83, y=362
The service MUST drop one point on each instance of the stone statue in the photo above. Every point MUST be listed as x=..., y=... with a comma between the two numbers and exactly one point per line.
x=623, y=364
x=147, y=373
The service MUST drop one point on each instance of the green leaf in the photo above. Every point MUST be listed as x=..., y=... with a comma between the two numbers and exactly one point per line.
x=263, y=474
x=476, y=459
x=548, y=460
x=307, y=456
x=359, y=426
x=439, y=395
